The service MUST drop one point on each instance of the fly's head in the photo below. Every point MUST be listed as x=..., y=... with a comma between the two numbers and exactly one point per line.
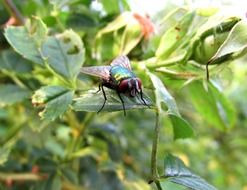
x=131, y=86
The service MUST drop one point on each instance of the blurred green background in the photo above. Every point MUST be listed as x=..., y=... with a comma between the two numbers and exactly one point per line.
x=106, y=151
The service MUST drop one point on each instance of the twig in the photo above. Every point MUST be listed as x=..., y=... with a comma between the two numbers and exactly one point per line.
x=21, y=177
x=10, y=6
x=154, y=171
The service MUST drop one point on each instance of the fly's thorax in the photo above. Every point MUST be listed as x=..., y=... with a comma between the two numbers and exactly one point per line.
x=130, y=86
x=119, y=73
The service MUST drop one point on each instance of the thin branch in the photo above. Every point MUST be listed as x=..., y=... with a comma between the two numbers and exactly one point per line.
x=12, y=9
x=21, y=177
x=154, y=170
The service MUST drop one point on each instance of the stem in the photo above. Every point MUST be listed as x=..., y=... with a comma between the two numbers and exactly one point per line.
x=79, y=132
x=14, y=12
x=15, y=78
x=180, y=75
x=165, y=63
x=154, y=170
x=21, y=177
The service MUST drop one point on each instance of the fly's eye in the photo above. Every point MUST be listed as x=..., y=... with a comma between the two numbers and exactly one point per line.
x=123, y=86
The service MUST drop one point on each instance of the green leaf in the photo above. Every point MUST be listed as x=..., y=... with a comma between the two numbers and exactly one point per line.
x=54, y=182
x=70, y=174
x=11, y=61
x=59, y=3
x=236, y=42
x=116, y=24
x=11, y=94
x=215, y=25
x=181, y=128
x=27, y=40
x=91, y=101
x=56, y=100
x=162, y=95
x=65, y=54
x=207, y=11
x=4, y=154
x=111, y=6
x=212, y=105
x=177, y=172
x=209, y=37
x=173, y=37
x=131, y=37
x=173, y=186
x=5, y=150
x=88, y=151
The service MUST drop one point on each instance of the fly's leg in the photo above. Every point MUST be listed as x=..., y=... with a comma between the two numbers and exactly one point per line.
x=143, y=99
x=98, y=89
x=101, y=87
x=122, y=102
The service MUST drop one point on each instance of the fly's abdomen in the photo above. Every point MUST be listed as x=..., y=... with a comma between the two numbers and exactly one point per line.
x=119, y=73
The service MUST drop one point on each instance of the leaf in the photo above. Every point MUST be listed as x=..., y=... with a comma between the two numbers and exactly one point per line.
x=65, y=54
x=88, y=151
x=111, y=6
x=56, y=100
x=207, y=11
x=70, y=174
x=213, y=106
x=210, y=36
x=181, y=128
x=162, y=95
x=116, y=24
x=54, y=182
x=92, y=102
x=131, y=37
x=11, y=61
x=173, y=186
x=81, y=21
x=225, y=107
x=4, y=154
x=174, y=36
x=177, y=172
x=236, y=42
x=27, y=40
x=11, y=94
x=59, y=3
x=5, y=150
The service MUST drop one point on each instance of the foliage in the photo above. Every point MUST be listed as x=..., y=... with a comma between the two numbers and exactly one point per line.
x=50, y=136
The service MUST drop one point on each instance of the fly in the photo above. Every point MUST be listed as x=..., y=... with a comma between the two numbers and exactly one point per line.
x=117, y=76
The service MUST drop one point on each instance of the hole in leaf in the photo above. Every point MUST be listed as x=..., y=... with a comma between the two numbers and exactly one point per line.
x=66, y=40
x=74, y=50
x=163, y=106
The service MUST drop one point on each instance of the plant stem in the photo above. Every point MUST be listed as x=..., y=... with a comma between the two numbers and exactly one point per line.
x=10, y=6
x=79, y=129
x=154, y=171
x=21, y=177
x=165, y=63
x=13, y=76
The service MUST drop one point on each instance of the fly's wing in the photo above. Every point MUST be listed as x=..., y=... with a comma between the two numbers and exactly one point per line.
x=122, y=61
x=97, y=71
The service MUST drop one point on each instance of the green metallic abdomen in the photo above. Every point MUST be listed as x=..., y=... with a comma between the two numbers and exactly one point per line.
x=119, y=73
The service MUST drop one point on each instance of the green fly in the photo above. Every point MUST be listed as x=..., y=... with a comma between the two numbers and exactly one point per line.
x=117, y=76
